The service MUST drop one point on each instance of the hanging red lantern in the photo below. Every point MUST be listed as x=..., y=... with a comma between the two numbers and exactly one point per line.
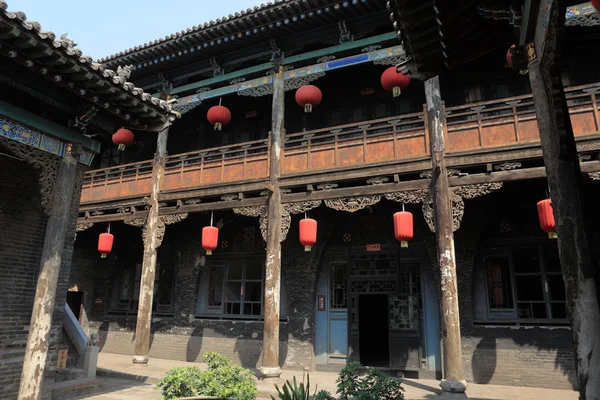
x=308, y=233
x=219, y=116
x=509, y=56
x=210, y=239
x=308, y=96
x=105, y=244
x=596, y=4
x=403, y=227
x=123, y=137
x=394, y=81
x=546, y=216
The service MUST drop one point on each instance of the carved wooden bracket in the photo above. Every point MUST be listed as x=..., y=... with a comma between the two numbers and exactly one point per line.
x=353, y=204
x=594, y=176
x=286, y=215
x=46, y=163
x=458, y=194
x=163, y=221
x=82, y=226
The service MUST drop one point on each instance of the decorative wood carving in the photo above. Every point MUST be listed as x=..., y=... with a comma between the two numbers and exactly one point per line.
x=286, y=215
x=507, y=166
x=82, y=226
x=46, y=163
x=163, y=221
x=594, y=176
x=353, y=204
x=458, y=194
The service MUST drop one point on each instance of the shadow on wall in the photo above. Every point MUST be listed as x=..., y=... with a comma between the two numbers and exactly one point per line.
x=484, y=360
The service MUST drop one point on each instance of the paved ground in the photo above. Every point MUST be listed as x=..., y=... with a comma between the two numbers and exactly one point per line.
x=422, y=389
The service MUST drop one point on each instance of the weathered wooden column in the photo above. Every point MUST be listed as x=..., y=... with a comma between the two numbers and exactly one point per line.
x=270, y=356
x=36, y=353
x=453, y=380
x=151, y=243
x=575, y=246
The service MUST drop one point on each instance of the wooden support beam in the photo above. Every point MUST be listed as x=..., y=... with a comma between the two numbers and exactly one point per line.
x=453, y=374
x=36, y=352
x=270, y=355
x=151, y=243
x=575, y=239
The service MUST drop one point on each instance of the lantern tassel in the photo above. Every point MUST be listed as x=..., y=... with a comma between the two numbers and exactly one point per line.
x=308, y=108
x=307, y=248
x=404, y=244
x=103, y=256
x=397, y=91
x=121, y=147
x=218, y=126
x=208, y=252
x=552, y=235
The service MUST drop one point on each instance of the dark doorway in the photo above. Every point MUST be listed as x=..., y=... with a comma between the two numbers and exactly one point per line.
x=75, y=302
x=373, y=330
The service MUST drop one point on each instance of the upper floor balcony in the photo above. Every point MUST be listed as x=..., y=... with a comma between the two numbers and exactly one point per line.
x=497, y=126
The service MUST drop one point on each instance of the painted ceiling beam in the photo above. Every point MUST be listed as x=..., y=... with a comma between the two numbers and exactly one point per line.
x=290, y=60
x=314, y=69
x=43, y=125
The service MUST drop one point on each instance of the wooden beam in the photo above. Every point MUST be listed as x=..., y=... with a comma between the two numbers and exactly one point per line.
x=575, y=238
x=36, y=352
x=453, y=375
x=289, y=60
x=151, y=243
x=270, y=355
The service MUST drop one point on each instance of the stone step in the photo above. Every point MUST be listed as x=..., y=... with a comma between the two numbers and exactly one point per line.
x=76, y=388
x=108, y=373
x=70, y=374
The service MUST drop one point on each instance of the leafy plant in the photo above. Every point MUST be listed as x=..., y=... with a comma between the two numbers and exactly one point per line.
x=295, y=391
x=323, y=395
x=180, y=382
x=222, y=378
x=374, y=386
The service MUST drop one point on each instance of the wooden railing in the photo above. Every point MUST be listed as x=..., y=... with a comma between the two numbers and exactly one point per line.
x=512, y=121
x=219, y=165
x=497, y=124
x=362, y=143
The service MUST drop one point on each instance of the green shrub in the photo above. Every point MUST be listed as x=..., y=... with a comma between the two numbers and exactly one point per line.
x=294, y=392
x=222, y=378
x=323, y=395
x=374, y=386
x=180, y=382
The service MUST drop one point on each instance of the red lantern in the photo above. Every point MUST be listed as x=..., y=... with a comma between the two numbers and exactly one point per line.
x=123, y=137
x=546, y=216
x=509, y=56
x=403, y=227
x=596, y=4
x=105, y=244
x=210, y=239
x=308, y=96
x=218, y=116
x=308, y=233
x=394, y=81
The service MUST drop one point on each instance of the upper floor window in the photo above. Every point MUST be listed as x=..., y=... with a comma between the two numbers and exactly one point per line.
x=524, y=283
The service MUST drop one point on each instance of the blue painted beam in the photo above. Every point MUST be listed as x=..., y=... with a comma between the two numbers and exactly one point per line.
x=345, y=62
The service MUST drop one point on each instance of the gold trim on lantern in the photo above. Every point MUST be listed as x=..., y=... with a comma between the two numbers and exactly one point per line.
x=208, y=252
x=103, y=256
x=397, y=91
x=121, y=147
x=218, y=126
x=307, y=248
x=404, y=244
x=307, y=108
x=552, y=235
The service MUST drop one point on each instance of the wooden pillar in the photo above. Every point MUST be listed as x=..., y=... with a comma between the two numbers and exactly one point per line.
x=151, y=243
x=36, y=353
x=575, y=242
x=453, y=380
x=270, y=356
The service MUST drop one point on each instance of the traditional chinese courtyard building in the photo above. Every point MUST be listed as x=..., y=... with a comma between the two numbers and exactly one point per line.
x=477, y=292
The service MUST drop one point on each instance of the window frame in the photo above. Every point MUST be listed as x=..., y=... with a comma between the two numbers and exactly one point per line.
x=511, y=315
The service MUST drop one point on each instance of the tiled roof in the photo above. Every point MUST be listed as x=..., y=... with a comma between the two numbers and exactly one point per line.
x=110, y=88
x=273, y=18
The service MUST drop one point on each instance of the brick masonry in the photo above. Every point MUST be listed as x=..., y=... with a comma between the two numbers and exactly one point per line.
x=22, y=235
x=507, y=355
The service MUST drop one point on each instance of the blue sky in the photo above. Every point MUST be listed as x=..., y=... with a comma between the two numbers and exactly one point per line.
x=102, y=28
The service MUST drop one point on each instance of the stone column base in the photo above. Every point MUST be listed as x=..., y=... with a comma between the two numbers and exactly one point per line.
x=448, y=385
x=141, y=360
x=270, y=372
